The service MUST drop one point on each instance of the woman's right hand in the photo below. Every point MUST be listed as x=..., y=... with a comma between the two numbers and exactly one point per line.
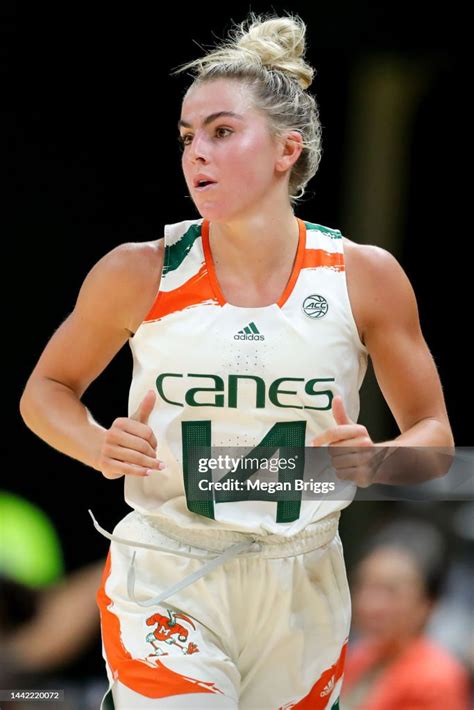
x=129, y=446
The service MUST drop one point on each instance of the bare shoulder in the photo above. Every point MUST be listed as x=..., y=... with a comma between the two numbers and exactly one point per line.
x=128, y=277
x=379, y=288
x=132, y=260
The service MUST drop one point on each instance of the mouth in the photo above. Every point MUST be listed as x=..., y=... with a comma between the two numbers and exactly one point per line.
x=201, y=185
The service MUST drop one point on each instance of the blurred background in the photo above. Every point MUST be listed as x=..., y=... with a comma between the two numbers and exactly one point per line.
x=92, y=159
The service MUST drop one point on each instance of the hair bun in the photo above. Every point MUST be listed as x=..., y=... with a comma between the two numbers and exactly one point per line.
x=277, y=43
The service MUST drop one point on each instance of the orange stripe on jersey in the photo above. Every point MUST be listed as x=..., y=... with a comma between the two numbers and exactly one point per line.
x=317, y=697
x=149, y=678
x=318, y=257
x=193, y=292
x=297, y=266
x=210, y=263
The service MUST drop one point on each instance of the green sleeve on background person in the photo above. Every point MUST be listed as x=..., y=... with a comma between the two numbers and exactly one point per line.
x=30, y=550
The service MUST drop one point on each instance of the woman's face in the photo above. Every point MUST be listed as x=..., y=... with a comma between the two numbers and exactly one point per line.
x=389, y=599
x=229, y=142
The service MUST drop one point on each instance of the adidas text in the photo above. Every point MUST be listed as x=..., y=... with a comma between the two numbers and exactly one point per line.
x=245, y=336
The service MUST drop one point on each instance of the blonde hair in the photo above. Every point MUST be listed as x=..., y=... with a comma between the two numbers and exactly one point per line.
x=267, y=54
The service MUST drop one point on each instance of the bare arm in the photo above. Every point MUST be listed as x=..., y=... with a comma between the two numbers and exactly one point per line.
x=388, y=320
x=407, y=376
x=403, y=364
x=112, y=302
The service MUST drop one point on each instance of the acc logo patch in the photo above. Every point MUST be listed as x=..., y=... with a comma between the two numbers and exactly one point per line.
x=315, y=306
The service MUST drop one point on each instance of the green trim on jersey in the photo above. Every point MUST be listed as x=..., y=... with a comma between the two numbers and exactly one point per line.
x=333, y=233
x=176, y=253
x=108, y=701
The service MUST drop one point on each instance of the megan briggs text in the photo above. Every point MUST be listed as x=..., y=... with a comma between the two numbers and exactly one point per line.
x=232, y=484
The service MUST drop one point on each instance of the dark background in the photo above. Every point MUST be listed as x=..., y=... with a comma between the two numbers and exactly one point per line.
x=93, y=161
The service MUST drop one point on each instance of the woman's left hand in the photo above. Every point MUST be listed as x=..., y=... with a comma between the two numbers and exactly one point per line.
x=354, y=455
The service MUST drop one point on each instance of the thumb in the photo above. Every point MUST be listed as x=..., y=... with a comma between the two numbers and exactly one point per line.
x=145, y=408
x=339, y=411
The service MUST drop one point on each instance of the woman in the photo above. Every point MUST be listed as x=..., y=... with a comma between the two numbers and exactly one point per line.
x=394, y=664
x=245, y=332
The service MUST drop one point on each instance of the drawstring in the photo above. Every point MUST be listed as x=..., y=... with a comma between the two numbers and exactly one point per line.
x=132, y=543
x=205, y=569
x=214, y=562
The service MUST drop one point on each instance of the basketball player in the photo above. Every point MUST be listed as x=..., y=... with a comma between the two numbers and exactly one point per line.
x=248, y=326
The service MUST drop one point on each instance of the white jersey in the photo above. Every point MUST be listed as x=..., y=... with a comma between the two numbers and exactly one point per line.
x=230, y=376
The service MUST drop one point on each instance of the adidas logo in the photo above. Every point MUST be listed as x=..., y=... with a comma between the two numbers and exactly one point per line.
x=250, y=332
x=328, y=689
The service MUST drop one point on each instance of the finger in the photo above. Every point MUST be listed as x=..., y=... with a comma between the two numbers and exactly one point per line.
x=341, y=433
x=339, y=411
x=119, y=453
x=131, y=426
x=129, y=469
x=361, y=477
x=145, y=408
x=363, y=441
x=357, y=457
x=123, y=438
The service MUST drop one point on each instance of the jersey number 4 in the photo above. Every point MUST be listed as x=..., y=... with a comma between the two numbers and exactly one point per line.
x=201, y=499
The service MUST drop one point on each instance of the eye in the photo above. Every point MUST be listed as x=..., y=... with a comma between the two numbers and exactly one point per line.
x=227, y=131
x=220, y=131
x=183, y=140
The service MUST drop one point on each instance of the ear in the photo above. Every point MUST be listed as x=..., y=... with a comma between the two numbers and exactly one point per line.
x=290, y=147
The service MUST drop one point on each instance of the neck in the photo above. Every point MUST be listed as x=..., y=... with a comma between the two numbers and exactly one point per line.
x=259, y=242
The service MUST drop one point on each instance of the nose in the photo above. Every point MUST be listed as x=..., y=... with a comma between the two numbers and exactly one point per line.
x=198, y=150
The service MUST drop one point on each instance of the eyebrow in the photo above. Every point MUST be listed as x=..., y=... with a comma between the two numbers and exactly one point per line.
x=212, y=117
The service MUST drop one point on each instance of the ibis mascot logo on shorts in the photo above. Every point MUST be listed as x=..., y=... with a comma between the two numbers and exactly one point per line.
x=285, y=392
x=170, y=632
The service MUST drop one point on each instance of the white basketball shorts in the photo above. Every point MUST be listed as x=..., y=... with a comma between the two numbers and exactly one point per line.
x=264, y=628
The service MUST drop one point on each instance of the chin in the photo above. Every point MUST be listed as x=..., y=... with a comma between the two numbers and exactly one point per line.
x=215, y=213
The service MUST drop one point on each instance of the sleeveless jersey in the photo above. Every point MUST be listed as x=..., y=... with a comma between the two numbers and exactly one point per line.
x=230, y=376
